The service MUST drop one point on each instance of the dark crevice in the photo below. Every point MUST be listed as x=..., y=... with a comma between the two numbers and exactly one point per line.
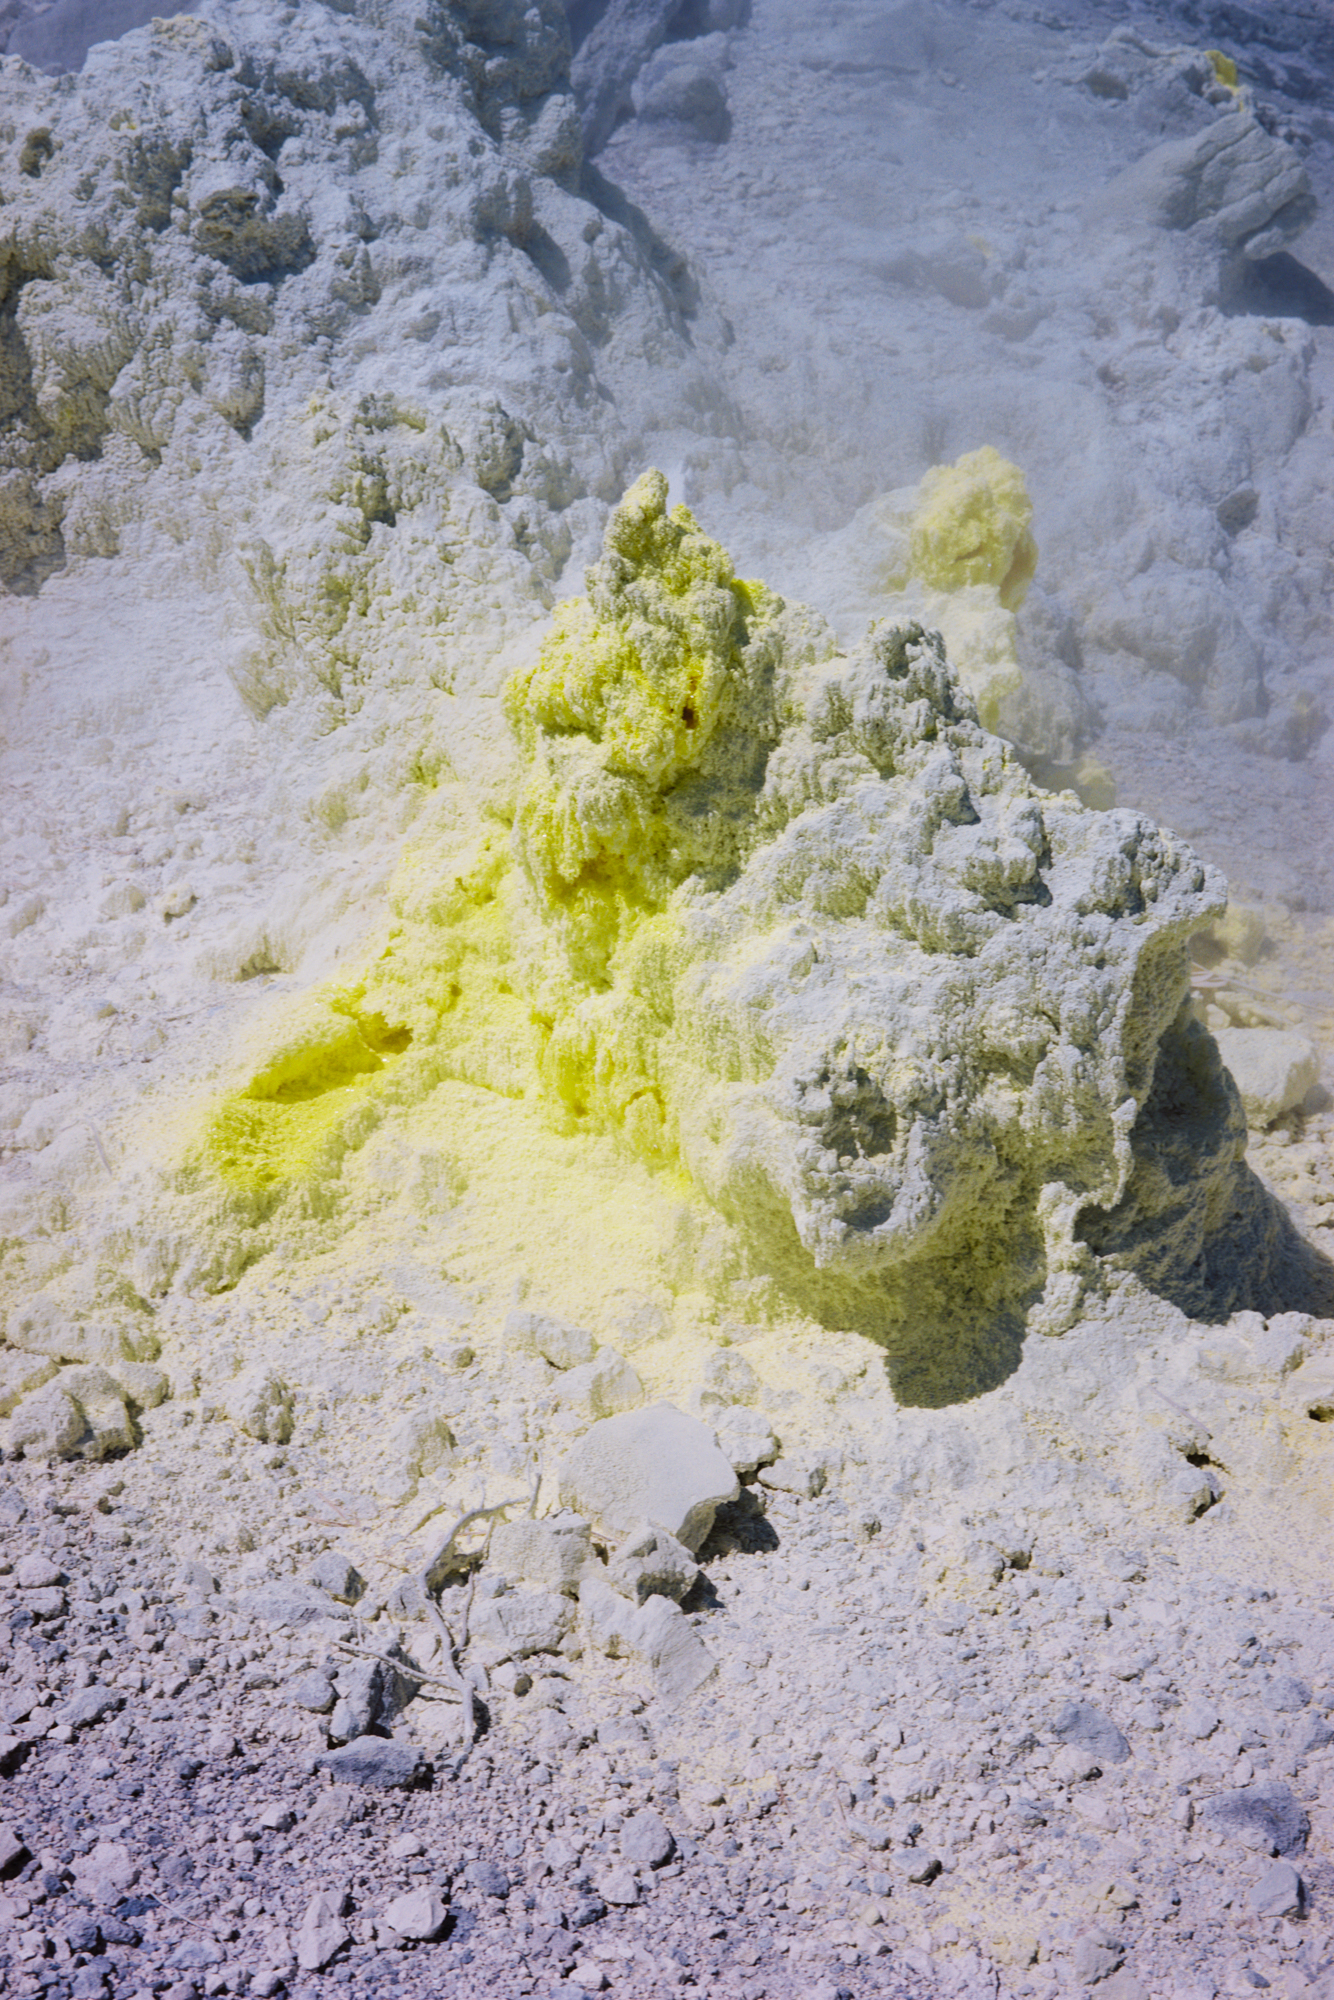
x=1278, y=287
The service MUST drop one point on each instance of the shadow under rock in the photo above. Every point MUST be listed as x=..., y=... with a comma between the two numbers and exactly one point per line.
x=931, y=1368
x=1279, y=287
x=740, y=1527
x=670, y=264
x=1231, y=1248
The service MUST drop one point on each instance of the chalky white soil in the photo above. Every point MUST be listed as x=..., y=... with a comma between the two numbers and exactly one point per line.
x=1029, y=1693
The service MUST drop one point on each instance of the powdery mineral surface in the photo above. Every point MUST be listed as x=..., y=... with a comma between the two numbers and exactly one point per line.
x=480, y=968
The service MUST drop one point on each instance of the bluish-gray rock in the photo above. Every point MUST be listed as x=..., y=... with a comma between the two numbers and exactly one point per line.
x=1269, y=1808
x=1285, y=1694
x=486, y=1878
x=1084, y=1727
x=1278, y=1893
x=377, y=1763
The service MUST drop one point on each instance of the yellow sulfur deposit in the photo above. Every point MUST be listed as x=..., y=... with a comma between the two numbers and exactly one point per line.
x=794, y=933
x=972, y=524
x=281, y=1127
x=957, y=555
x=643, y=728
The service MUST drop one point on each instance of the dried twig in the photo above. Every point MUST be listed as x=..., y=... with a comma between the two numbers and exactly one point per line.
x=441, y=1562
x=419, y=1676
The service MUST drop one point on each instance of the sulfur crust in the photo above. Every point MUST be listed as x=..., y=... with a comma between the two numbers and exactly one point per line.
x=958, y=557
x=876, y=1021
x=973, y=525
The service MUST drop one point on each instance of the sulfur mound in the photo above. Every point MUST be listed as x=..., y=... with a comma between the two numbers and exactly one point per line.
x=793, y=923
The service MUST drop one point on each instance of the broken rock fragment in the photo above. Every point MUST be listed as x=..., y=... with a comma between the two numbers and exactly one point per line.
x=1271, y=1067
x=322, y=1932
x=652, y=1563
x=518, y=1622
x=656, y=1632
x=420, y=1915
x=550, y=1553
x=377, y=1764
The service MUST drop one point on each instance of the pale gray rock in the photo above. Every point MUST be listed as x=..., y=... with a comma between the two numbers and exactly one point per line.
x=603, y=1387
x=520, y=1622
x=46, y=1424
x=197, y=1955
x=916, y=1865
x=106, y=1873
x=366, y=1699
x=550, y=1553
x=108, y=1426
x=1192, y=1491
x=1198, y=1720
x=322, y=1933
x=683, y=84
x=798, y=1474
x=1096, y=1956
x=1278, y=1893
x=558, y=1341
x=87, y=1706
x=656, y=1465
x=260, y=1404
x=744, y=1438
x=618, y=1887
x=487, y=1878
x=336, y=1575
x=144, y=1387
x=1272, y=1067
x=420, y=1915
x=36, y=1571
x=1250, y=188
x=20, y=1375
x=1317, y=1733
x=652, y=1563
x=1286, y=1695
x=656, y=1632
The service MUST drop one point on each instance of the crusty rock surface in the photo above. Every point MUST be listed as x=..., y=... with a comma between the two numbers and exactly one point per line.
x=655, y=1465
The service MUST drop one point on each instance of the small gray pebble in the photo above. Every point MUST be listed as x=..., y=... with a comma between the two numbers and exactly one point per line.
x=313, y=1692
x=646, y=1840
x=1285, y=1694
x=334, y=1573
x=1084, y=1727
x=485, y=1877
x=1278, y=1893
